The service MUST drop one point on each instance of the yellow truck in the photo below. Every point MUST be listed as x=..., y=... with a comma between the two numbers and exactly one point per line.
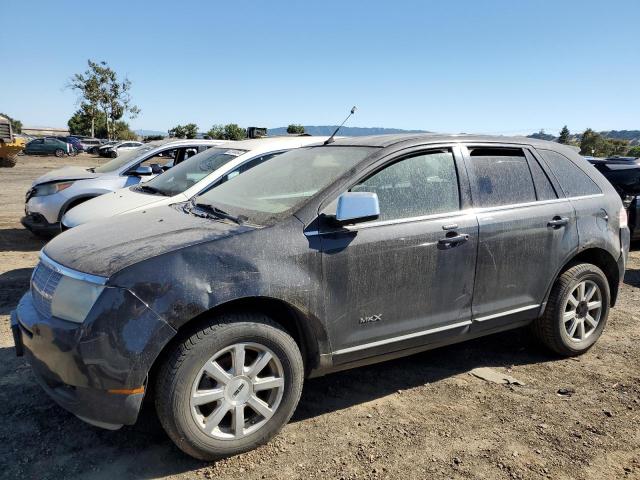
x=10, y=145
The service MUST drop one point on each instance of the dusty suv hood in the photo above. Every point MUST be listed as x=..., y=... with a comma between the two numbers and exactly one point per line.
x=107, y=246
x=66, y=173
x=115, y=203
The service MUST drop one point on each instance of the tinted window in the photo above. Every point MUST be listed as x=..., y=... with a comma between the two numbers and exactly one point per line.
x=424, y=184
x=544, y=188
x=572, y=179
x=501, y=177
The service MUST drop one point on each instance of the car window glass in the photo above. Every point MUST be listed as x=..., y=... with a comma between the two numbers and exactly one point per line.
x=423, y=184
x=191, y=171
x=544, y=188
x=161, y=158
x=572, y=179
x=501, y=177
x=244, y=167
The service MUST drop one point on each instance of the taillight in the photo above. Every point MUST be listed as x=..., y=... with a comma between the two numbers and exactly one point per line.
x=622, y=217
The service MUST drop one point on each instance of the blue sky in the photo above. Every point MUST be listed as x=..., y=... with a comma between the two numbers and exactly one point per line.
x=457, y=66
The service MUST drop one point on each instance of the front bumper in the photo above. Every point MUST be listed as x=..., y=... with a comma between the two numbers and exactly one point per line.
x=90, y=369
x=38, y=224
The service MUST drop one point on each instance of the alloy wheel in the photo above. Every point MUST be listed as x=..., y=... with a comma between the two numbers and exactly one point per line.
x=237, y=391
x=582, y=311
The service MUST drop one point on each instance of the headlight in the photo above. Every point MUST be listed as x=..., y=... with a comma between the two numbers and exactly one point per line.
x=73, y=299
x=50, y=188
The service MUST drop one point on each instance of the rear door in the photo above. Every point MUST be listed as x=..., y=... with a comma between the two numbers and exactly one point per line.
x=402, y=280
x=527, y=231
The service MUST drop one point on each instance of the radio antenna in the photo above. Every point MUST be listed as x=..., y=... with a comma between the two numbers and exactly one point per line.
x=330, y=139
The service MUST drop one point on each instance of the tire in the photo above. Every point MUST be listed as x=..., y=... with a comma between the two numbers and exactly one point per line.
x=113, y=154
x=9, y=161
x=182, y=375
x=569, y=307
x=59, y=153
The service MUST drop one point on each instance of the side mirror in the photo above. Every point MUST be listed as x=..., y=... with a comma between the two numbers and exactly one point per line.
x=357, y=206
x=143, y=170
x=156, y=168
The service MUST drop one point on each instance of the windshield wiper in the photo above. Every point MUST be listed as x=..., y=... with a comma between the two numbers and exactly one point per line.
x=155, y=191
x=217, y=212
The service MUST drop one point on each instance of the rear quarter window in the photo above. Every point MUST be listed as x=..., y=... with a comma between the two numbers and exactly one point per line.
x=572, y=179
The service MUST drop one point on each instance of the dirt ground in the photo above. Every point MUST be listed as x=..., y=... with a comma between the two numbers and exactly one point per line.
x=423, y=416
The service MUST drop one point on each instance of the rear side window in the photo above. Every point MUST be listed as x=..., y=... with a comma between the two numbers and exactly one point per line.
x=424, y=184
x=574, y=182
x=501, y=177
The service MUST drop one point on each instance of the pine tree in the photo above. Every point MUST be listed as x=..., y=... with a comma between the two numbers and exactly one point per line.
x=564, y=135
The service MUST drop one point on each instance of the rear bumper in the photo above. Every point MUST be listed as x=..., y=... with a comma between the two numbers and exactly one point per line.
x=87, y=369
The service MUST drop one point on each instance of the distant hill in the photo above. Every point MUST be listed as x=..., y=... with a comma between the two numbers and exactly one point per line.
x=344, y=131
x=631, y=136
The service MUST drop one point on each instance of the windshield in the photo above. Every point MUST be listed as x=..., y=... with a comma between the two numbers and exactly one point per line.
x=123, y=158
x=272, y=189
x=191, y=171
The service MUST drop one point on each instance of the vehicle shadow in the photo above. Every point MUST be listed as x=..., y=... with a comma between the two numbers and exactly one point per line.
x=19, y=240
x=13, y=284
x=31, y=420
x=632, y=277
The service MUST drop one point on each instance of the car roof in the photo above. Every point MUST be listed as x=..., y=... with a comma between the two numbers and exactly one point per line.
x=388, y=140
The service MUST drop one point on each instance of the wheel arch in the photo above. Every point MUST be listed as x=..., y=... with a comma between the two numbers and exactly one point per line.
x=74, y=202
x=599, y=257
x=307, y=331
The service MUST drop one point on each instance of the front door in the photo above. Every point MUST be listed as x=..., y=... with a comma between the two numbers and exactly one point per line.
x=406, y=278
x=527, y=231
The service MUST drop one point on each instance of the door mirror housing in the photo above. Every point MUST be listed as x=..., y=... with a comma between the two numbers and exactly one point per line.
x=357, y=206
x=142, y=170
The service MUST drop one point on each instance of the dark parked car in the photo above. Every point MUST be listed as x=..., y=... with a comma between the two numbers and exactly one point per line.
x=624, y=175
x=74, y=141
x=48, y=146
x=320, y=259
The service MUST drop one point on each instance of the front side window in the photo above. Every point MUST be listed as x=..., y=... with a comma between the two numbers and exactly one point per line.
x=424, y=184
x=188, y=173
x=124, y=158
x=572, y=179
x=501, y=176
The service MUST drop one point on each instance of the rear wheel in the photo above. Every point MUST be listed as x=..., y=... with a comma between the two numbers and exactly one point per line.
x=576, y=312
x=113, y=154
x=230, y=386
x=59, y=152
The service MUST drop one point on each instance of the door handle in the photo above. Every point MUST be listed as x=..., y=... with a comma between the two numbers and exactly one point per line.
x=451, y=241
x=558, y=222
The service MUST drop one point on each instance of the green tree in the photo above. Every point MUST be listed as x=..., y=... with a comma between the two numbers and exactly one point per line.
x=190, y=130
x=592, y=143
x=634, y=151
x=565, y=135
x=84, y=123
x=295, y=129
x=101, y=90
x=216, y=132
x=233, y=132
x=230, y=131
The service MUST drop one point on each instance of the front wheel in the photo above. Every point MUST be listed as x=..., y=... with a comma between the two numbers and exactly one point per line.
x=230, y=386
x=113, y=154
x=576, y=312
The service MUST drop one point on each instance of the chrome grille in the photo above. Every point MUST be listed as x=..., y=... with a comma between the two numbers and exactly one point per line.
x=43, y=284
